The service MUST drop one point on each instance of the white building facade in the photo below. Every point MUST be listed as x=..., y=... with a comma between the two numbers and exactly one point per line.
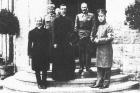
x=27, y=10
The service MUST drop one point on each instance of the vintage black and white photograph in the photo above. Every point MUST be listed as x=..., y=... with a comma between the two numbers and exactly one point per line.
x=69, y=46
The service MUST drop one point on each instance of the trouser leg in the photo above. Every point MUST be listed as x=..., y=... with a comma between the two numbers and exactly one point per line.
x=38, y=77
x=99, y=81
x=100, y=73
x=44, y=75
x=106, y=77
x=81, y=57
x=88, y=59
x=107, y=74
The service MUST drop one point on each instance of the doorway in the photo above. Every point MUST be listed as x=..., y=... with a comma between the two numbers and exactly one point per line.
x=73, y=8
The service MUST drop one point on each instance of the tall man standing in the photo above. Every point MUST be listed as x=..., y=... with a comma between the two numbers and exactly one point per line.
x=84, y=26
x=64, y=65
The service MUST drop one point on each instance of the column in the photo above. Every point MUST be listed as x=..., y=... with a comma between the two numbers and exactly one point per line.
x=27, y=11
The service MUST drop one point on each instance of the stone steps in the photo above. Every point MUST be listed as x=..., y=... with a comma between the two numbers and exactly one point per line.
x=28, y=78
x=15, y=86
x=93, y=62
x=114, y=71
x=25, y=82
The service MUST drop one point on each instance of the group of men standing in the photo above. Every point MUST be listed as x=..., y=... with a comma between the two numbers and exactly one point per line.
x=52, y=41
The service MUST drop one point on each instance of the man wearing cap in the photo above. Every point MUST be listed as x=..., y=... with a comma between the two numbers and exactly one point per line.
x=84, y=26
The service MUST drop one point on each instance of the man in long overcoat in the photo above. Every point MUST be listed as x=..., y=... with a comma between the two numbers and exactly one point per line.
x=38, y=47
x=64, y=65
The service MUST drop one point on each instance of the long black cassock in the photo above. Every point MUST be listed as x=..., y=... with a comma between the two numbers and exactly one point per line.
x=64, y=65
x=38, y=48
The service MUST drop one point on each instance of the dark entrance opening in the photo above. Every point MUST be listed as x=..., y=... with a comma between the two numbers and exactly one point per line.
x=73, y=8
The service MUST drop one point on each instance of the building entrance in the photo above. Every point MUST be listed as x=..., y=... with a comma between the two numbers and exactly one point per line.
x=74, y=5
x=73, y=8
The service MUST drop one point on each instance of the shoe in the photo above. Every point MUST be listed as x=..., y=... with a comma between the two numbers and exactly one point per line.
x=43, y=87
x=39, y=86
x=89, y=70
x=94, y=83
x=97, y=84
x=80, y=71
x=44, y=84
x=106, y=84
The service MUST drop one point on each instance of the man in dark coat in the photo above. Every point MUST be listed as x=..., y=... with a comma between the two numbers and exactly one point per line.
x=38, y=47
x=64, y=65
x=85, y=27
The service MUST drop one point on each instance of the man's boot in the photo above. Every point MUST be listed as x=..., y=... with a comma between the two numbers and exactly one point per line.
x=106, y=84
x=107, y=76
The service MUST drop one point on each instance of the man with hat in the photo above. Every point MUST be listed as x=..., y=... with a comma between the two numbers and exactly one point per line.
x=84, y=26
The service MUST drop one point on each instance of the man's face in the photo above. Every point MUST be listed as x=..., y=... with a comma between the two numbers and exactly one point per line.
x=38, y=22
x=51, y=10
x=63, y=10
x=101, y=17
x=57, y=11
x=84, y=7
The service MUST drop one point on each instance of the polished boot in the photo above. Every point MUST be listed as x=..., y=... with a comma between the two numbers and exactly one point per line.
x=99, y=82
x=106, y=84
x=106, y=78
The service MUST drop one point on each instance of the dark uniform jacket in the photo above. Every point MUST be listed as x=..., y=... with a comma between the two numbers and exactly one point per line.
x=85, y=24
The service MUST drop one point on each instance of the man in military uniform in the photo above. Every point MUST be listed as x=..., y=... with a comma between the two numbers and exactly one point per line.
x=48, y=21
x=84, y=26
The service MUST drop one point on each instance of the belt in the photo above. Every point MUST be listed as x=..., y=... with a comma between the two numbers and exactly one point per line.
x=83, y=33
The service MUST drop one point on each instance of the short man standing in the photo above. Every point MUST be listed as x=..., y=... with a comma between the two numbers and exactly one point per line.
x=84, y=26
x=38, y=47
